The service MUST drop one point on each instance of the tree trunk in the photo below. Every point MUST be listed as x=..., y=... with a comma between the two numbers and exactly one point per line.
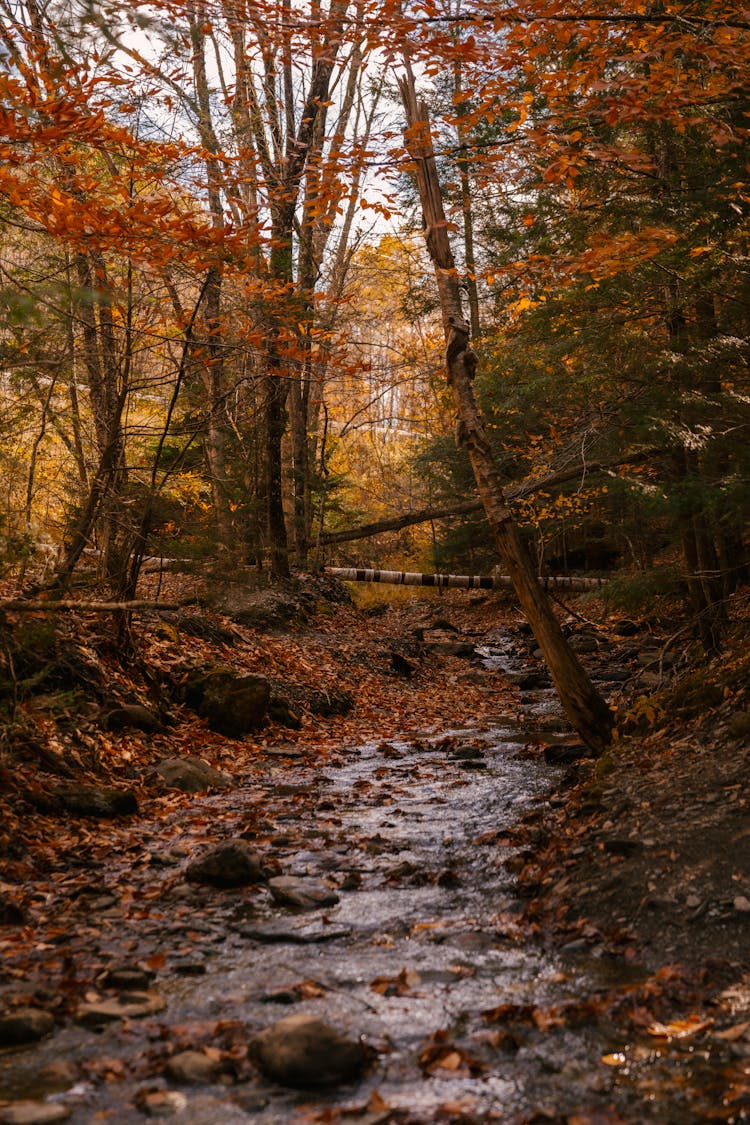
x=585, y=708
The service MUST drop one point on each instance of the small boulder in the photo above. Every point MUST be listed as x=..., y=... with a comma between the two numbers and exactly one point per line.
x=131, y=715
x=232, y=704
x=305, y=894
x=24, y=1025
x=192, y=1068
x=233, y=863
x=305, y=1053
x=191, y=775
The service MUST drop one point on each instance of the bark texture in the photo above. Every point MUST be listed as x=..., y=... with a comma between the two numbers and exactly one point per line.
x=586, y=709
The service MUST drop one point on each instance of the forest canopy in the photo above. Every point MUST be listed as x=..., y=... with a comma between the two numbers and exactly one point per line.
x=221, y=335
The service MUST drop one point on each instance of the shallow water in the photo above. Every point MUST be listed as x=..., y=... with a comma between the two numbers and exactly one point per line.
x=413, y=830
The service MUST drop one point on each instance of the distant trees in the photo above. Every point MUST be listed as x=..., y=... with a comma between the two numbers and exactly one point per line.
x=184, y=324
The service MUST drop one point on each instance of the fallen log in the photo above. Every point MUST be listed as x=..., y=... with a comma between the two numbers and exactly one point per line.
x=20, y=605
x=458, y=581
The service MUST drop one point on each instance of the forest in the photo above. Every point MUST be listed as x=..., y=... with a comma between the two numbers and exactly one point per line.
x=291, y=289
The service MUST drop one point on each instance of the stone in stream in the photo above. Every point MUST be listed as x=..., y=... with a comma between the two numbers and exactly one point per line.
x=193, y=1068
x=133, y=1005
x=191, y=775
x=305, y=1053
x=233, y=863
x=34, y=1113
x=24, y=1025
x=305, y=894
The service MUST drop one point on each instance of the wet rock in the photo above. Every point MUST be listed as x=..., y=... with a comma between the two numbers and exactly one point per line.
x=191, y=775
x=305, y=1053
x=34, y=1113
x=134, y=1005
x=85, y=800
x=192, y=1068
x=233, y=863
x=565, y=753
x=467, y=753
x=129, y=978
x=272, y=933
x=232, y=704
x=305, y=894
x=131, y=715
x=24, y=1025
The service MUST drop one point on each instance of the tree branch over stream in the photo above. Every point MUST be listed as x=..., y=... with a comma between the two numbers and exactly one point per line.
x=469, y=507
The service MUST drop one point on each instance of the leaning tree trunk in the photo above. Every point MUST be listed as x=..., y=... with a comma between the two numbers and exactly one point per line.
x=585, y=708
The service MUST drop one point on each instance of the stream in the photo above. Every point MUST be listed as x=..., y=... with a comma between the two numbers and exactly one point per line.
x=424, y=944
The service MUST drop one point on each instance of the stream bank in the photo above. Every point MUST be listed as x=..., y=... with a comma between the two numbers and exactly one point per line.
x=477, y=998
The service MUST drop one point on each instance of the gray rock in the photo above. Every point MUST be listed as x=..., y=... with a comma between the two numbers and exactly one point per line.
x=192, y=1068
x=260, y=609
x=134, y=1005
x=129, y=978
x=34, y=1113
x=306, y=894
x=191, y=775
x=233, y=863
x=24, y=1025
x=304, y=1053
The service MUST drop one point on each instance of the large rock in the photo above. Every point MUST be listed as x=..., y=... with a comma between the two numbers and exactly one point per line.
x=260, y=609
x=191, y=775
x=233, y=863
x=232, y=704
x=24, y=1025
x=305, y=1053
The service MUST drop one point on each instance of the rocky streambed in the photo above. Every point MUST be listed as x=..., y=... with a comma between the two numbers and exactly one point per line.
x=370, y=896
